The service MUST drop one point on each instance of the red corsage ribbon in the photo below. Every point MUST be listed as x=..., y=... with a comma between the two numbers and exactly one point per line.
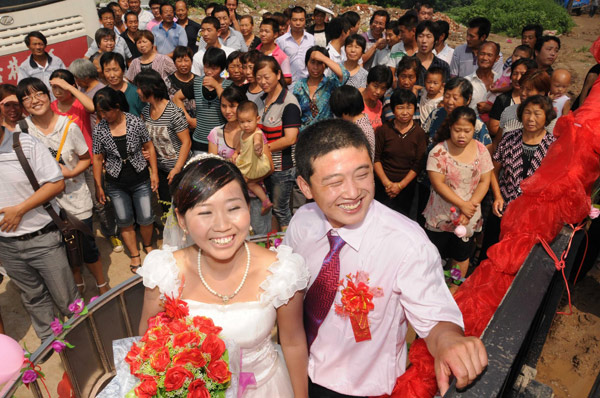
x=357, y=302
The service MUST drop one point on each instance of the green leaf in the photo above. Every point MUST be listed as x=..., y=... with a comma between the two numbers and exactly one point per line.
x=69, y=345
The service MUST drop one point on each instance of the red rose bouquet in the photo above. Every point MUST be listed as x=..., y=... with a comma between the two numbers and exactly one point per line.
x=180, y=356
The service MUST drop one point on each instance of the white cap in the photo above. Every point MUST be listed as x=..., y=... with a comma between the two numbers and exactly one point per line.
x=324, y=9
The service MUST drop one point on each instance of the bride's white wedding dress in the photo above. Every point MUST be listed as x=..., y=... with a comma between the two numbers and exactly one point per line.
x=249, y=324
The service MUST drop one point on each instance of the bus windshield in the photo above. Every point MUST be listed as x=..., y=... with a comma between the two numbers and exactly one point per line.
x=20, y=5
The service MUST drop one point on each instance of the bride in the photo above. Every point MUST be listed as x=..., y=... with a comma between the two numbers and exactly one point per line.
x=243, y=287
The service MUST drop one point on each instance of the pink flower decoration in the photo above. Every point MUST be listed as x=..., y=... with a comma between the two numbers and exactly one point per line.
x=277, y=242
x=77, y=306
x=455, y=273
x=56, y=327
x=594, y=212
x=93, y=299
x=58, y=345
x=29, y=376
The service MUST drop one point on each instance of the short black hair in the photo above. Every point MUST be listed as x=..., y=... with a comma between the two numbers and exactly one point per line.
x=211, y=21
x=298, y=10
x=394, y=26
x=336, y=27
x=443, y=28
x=421, y=5
x=483, y=25
x=233, y=94
x=247, y=106
x=37, y=35
x=430, y=26
x=155, y=2
x=151, y=84
x=352, y=17
x=233, y=56
x=543, y=40
x=31, y=85
x=358, y=39
x=108, y=98
x=493, y=43
x=525, y=48
x=543, y=101
x=112, y=56
x=401, y=96
x=461, y=112
x=129, y=13
x=166, y=4
x=249, y=17
x=220, y=8
x=346, y=100
x=323, y=137
x=380, y=74
x=271, y=22
x=436, y=70
x=251, y=56
x=466, y=88
x=102, y=33
x=182, y=52
x=105, y=10
x=409, y=21
x=538, y=29
x=64, y=74
x=408, y=62
x=215, y=57
x=380, y=13
x=309, y=52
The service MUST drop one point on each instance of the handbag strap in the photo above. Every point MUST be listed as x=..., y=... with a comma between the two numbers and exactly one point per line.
x=63, y=139
x=63, y=225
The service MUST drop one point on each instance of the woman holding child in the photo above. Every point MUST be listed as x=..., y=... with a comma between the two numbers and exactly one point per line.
x=241, y=286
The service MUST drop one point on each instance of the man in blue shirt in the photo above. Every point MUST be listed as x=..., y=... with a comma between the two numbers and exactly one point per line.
x=168, y=34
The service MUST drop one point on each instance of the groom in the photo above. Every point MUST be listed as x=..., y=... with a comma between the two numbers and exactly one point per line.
x=346, y=235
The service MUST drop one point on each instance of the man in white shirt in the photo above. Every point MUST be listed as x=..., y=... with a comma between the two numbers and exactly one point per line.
x=210, y=35
x=442, y=50
x=144, y=16
x=296, y=42
x=346, y=235
x=483, y=78
x=338, y=30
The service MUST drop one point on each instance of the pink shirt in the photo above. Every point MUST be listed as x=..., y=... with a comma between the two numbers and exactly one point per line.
x=374, y=114
x=399, y=258
x=282, y=59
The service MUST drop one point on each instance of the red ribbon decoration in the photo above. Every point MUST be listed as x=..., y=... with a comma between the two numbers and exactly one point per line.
x=38, y=371
x=357, y=301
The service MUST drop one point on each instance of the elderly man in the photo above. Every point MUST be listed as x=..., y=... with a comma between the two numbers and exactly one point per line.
x=168, y=34
x=375, y=36
x=483, y=78
x=191, y=27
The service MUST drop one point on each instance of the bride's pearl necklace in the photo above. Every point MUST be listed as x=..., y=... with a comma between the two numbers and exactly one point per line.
x=211, y=290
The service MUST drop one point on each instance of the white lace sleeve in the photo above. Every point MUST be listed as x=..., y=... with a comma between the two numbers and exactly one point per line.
x=289, y=274
x=160, y=269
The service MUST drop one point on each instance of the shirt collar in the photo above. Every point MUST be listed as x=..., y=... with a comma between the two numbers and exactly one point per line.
x=34, y=64
x=353, y=234
x=173, y=25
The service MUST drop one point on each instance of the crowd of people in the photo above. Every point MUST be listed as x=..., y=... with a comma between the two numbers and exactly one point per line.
x=322, y=114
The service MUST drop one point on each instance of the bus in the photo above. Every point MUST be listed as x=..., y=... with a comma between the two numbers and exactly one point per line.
x=69, y=26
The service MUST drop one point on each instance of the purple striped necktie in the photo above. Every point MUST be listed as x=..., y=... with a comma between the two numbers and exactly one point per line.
x=321, y=294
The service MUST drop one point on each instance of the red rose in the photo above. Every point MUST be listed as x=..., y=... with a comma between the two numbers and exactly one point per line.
x=214, y=346
x=132, y=354
x=151, y=348
x=218, y=371
x=176, y=309
x=160, y=360
x=177, y=327
x=147, y=389
x=206, y=325
x=176, y=376
x=185, y=338
x=197, y=389
x=193, y=356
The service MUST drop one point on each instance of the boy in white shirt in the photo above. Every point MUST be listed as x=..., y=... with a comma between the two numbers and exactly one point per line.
x=433, y=92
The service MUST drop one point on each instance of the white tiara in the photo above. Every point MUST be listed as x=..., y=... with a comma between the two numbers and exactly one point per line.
x=202, y=156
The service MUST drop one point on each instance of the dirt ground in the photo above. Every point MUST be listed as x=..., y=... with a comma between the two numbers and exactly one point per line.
x=571, y=357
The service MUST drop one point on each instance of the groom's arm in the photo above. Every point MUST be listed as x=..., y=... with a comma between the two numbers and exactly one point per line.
x=455, y=354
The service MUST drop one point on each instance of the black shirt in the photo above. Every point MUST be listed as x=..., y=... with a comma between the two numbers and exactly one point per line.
x=191, y=31
x=131, y=45
x=436, y=62
x=502, y=102
x=128, y=176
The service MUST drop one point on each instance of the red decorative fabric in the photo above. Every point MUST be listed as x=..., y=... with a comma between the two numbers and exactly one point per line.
x=557, y=194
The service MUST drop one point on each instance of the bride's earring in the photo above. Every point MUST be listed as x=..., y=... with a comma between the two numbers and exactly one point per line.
x=184, y=239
